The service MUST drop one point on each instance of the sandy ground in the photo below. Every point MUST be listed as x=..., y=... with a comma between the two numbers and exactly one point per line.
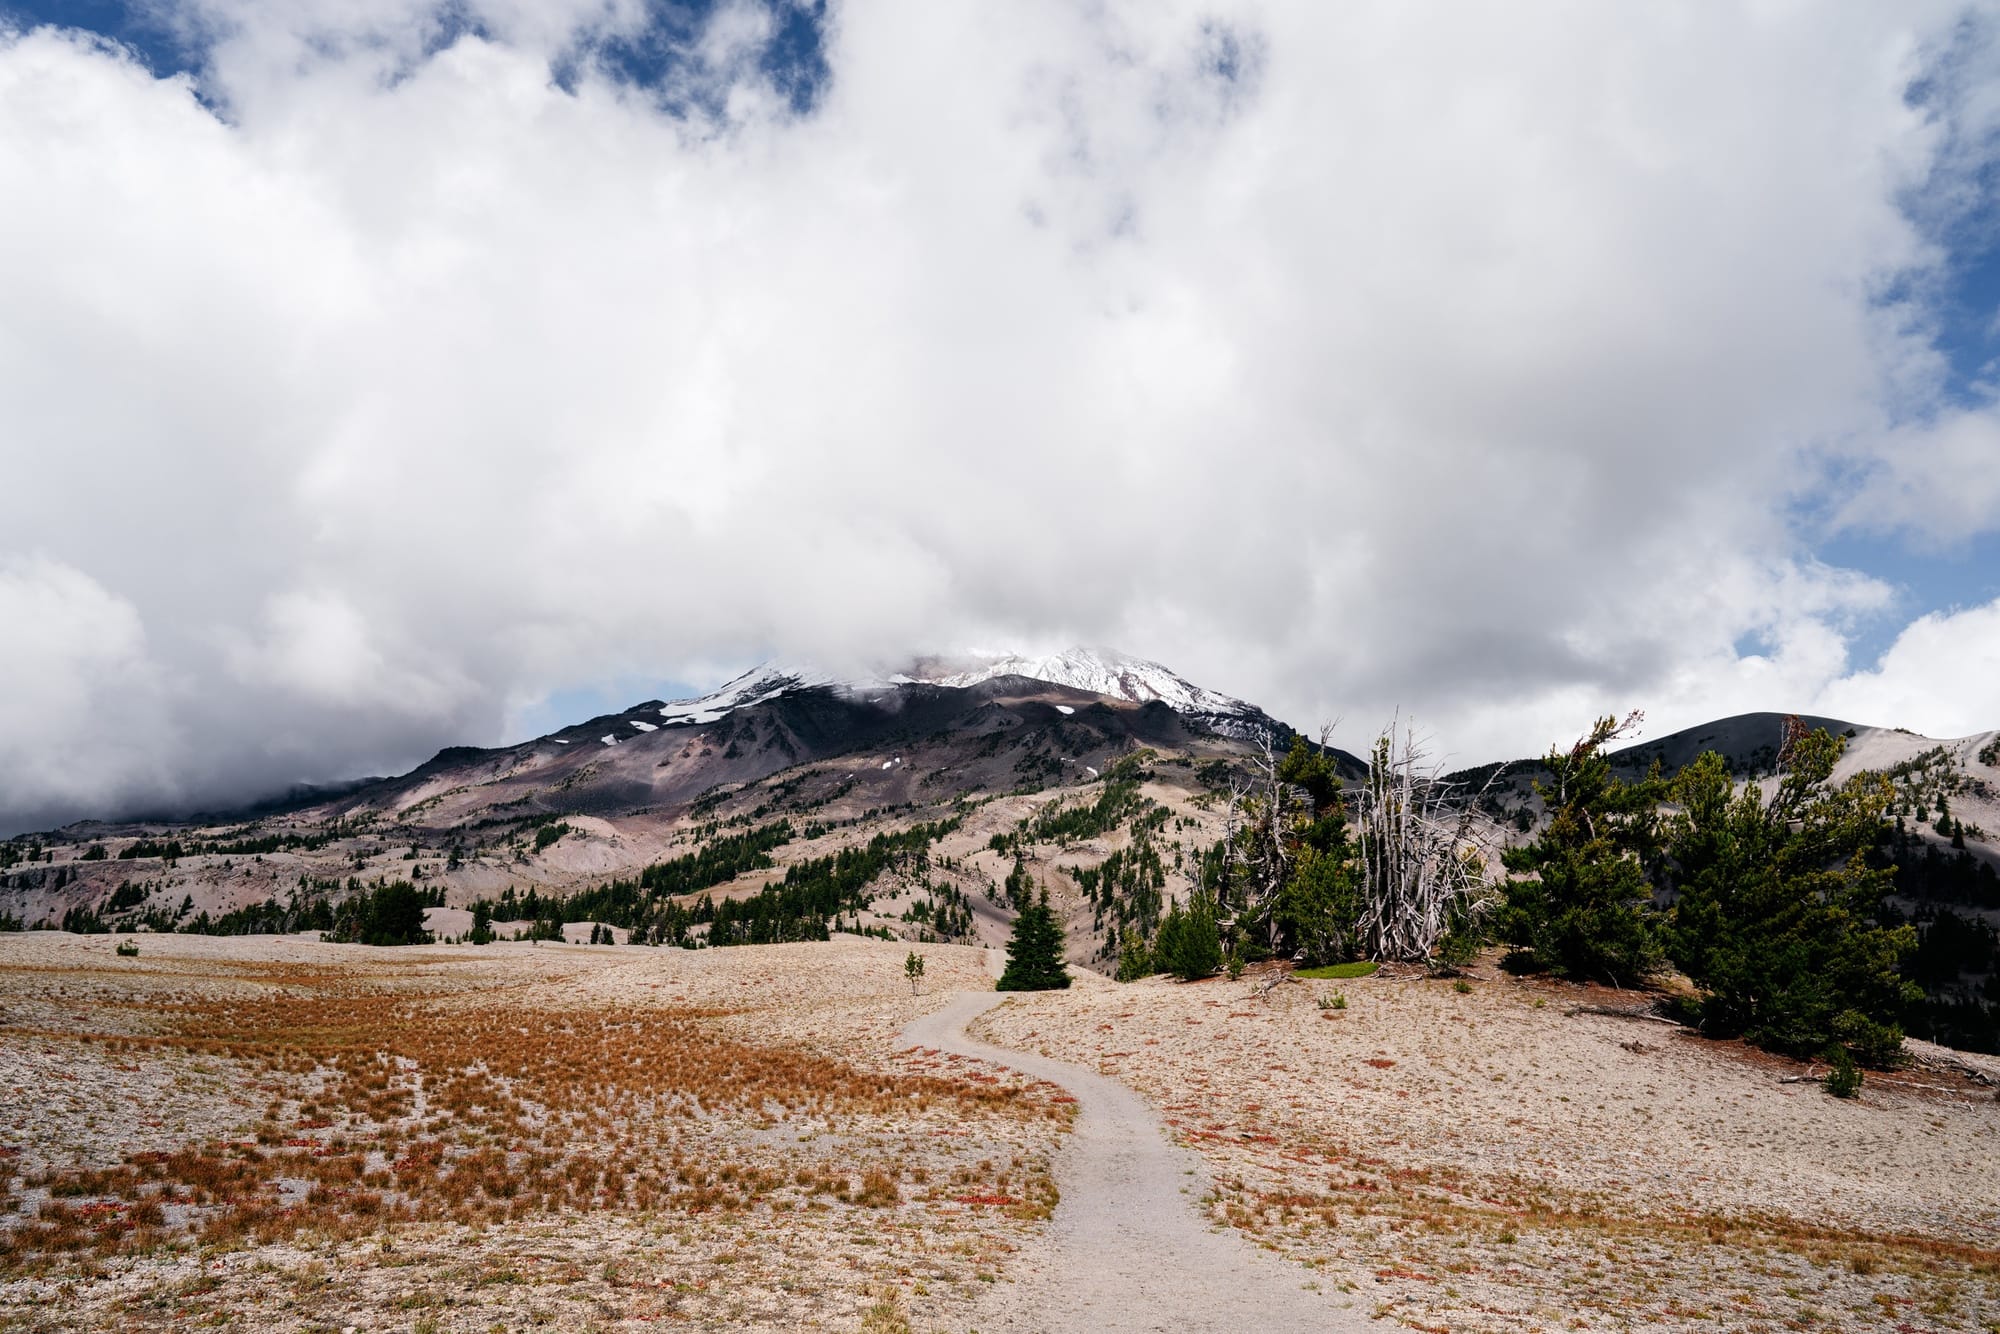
x=274, y=1133
x=1128, y=1249
x=1481, y=1160
x=764, y=1155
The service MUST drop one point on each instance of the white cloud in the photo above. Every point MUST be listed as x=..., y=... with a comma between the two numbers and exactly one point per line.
x=1937, y=679
x=1469, y=362
x=1936, y=481
x=82, y=717
x=318, y=647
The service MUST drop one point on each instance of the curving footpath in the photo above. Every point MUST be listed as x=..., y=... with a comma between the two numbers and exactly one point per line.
x=1127, y=1249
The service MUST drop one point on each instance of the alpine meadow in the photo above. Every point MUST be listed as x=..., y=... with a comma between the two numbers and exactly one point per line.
x=563, y=764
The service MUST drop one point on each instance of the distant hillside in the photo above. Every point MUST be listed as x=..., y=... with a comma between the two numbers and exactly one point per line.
x=1748, y=741
x=619, y=814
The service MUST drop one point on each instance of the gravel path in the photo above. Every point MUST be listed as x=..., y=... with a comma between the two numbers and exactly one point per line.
x=1128, y=1249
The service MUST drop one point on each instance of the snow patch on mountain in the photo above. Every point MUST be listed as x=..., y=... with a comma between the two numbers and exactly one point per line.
x=1097, y=670
x=760, y=684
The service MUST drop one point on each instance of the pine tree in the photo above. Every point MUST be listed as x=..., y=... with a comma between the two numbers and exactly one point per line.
x=1779, y=914
x=1189, y=945
x=1035, y=954
x=1134, y=959
x=1020, y=889
x=1586, y=909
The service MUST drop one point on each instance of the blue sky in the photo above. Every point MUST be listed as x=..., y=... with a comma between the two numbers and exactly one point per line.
x=446, y=374
x=174, y=40
x=1933, y=574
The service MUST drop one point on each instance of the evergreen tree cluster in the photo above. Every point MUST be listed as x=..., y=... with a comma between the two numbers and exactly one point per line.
x=1285, y=886
x=354, y=912
x=1957, y=958
x=643, y=904
x=817, y=890
x=1774, y=900
x=303, y=912
x=1117, y=801
x=943, y=911
x=717, y=862
x=1777, y=910
x=391, y=914
x=1127, y=888
x=1774, y=907
x=1189, y=944
x=800, y=907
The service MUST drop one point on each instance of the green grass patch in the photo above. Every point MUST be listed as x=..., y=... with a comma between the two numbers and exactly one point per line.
x=1332, y=971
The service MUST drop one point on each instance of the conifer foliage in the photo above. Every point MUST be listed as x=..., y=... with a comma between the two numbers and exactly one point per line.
x=1584, y=908
x=1779, y=914
x=1035, y=954
x=1189, y=946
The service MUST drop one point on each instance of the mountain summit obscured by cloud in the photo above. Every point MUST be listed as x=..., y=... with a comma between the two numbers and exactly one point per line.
x=373, y=369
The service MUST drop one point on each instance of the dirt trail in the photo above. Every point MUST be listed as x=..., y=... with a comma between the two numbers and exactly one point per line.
x=1128, y=1249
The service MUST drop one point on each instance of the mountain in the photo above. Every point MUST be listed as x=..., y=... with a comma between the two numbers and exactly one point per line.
x=1747, y=741
x=761, y=684
x=1096, y=671
x=1015, y=754
x=1099, y=671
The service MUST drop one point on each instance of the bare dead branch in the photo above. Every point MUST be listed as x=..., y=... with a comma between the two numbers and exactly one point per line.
x=1613, y=1012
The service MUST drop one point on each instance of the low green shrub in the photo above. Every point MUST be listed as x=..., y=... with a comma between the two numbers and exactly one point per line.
x=1844, y=1080
x=1134, y=959
x=1188, y=945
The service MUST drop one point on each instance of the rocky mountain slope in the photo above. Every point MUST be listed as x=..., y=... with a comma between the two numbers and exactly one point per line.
x=805, y=762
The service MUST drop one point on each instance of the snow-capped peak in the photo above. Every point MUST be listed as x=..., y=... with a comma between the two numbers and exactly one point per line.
x=1097, y=670
x=766, y=681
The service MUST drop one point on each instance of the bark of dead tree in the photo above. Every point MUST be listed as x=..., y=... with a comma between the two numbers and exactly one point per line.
x=1421, y=870
x=1258, y=858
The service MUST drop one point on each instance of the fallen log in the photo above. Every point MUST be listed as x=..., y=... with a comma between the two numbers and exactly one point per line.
x=1270, y=984
x=1930, y=1056
x=1613, y=1012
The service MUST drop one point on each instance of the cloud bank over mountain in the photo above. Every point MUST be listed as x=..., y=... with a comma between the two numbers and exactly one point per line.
x=401, y=365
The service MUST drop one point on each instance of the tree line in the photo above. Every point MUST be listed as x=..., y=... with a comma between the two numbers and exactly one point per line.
x=1772, y=899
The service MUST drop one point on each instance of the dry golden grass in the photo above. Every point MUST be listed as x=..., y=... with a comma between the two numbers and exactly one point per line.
x=393, y=1112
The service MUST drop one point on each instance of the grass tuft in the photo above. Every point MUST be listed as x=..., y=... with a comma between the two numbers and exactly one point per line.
x=1334, y=972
